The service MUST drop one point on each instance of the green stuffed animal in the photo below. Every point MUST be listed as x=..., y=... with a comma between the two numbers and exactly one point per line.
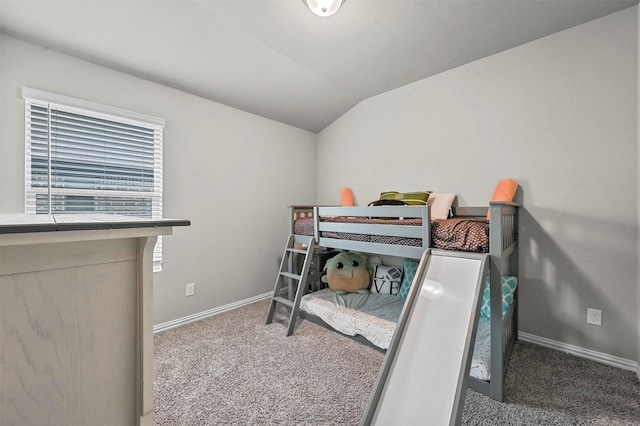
x=347, y=273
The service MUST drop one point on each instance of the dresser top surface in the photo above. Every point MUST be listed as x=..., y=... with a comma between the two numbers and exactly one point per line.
x=15, y=223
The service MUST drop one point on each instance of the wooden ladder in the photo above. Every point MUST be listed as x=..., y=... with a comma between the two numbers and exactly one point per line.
x=294, y=284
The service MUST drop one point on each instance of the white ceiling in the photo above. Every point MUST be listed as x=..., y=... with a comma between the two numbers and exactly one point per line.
x=275, y=58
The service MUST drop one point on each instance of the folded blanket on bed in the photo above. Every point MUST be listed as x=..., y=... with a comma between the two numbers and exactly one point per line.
x=471, y=235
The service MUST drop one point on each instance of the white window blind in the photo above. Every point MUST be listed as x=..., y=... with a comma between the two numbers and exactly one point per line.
x=83, y=157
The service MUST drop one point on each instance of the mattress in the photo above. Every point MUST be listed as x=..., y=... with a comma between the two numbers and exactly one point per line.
x=374, y=317
x=461, y=234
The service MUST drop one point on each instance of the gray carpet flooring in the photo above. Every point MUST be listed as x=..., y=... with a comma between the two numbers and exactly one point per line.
x=232, y=369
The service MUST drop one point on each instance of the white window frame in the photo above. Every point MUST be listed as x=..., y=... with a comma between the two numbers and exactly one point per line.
x=66, y=103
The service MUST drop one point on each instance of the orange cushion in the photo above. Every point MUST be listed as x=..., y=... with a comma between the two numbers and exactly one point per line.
x=505, y=191
x=347, y=197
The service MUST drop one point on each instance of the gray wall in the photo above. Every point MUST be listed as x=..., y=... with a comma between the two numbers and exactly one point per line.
x=223, y=168
x=559, y=116
x=638, y=193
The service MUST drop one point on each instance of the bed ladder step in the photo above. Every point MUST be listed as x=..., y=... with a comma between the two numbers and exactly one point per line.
x=284, y=301
x=290, y=281
x=290, y=275
x=294, y=250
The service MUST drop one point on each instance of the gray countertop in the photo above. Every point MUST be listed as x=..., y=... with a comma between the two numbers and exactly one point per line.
x=15, y=223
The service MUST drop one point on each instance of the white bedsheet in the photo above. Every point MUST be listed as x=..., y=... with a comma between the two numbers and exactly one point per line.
x=374, y=317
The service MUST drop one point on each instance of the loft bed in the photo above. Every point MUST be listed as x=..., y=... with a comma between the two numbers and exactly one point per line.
x=407, y=231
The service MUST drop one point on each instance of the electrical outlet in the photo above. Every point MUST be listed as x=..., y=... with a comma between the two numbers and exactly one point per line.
x=594, y=316
x=191, y=289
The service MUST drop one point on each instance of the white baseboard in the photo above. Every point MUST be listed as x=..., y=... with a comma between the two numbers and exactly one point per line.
x=614, y=361
x=211, y=312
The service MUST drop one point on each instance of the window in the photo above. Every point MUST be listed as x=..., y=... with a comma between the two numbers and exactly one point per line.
x=82, y=157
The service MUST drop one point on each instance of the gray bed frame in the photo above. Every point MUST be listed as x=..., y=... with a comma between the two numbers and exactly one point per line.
x=503, y=256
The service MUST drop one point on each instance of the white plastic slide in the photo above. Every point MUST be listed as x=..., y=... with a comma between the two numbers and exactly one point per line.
x=423, y=378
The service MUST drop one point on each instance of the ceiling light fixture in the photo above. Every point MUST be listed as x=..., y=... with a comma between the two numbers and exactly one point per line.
x=324, y=8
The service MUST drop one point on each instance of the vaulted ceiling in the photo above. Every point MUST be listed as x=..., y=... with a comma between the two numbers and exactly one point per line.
x=275, y=58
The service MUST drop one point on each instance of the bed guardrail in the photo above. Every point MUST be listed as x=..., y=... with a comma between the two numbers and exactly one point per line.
x=421, y=232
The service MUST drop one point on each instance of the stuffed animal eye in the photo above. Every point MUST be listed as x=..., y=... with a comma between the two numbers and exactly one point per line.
x=355, y=263
x=339, y=265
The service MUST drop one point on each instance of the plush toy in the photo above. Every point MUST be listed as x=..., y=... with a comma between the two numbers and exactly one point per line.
x=347, y=273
